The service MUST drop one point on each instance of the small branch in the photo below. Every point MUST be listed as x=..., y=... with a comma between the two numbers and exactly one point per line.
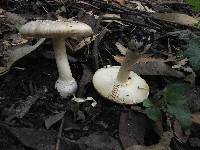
x=59, y=134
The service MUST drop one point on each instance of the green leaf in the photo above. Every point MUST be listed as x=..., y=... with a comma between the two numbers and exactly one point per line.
x=193, y=52
x=153, y=113
x=195, y=4
x=197, y=25
x=147, y=103
x=174, y=93
x=18, y=27
x=182, y=114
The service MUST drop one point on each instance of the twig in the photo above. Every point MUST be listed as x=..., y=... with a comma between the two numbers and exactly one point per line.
x=59, y=134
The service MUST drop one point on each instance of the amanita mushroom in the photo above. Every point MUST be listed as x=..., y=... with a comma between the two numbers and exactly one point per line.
x=119, y=84
x=58, y=31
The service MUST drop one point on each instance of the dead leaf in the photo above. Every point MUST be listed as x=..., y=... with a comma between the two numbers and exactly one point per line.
x=17, y=53
x=180, y=64
x=193, y=99
x=83, y=43
x=82, y=100
x=194, y=141
x=178, y=18
x=112, y=18
x=70, y=123
x=85, y=79
x=34, y=138
x=51, y=120
x=98, y=141
x=164, y=144
x=132, y=128
x=180, y=136
x=152, y=66
x=196, y=118
x=158, y=127
x=121, y=48
x=139, y=6
x=121, y=2
x=119, y=58
x=13, y=18
x=24, y=107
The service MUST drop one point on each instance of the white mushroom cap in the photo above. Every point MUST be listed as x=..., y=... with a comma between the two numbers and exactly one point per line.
x=134, y=91
x=55, y=29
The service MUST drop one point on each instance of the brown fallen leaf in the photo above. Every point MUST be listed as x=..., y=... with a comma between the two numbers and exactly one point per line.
x=23, y=108
x=179, y=134
x=193, y=99
x=83, y=43
x=164, y=144
x=132, y=128
x=178, y=18
x=12, y=18
x=34, y=138
x=196, y=118
x=152, y=66
x=194, y=141
x=119, y=58
x=121, y=2
x=17, y=53
x=85, y=79
x=51, y=120
x=99, y=141
x=121, y=48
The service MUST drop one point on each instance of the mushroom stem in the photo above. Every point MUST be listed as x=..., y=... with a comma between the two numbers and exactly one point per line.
x=62, y=60
x=124, y=71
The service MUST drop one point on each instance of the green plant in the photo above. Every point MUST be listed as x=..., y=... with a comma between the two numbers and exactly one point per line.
x=173, y=102
x=194, y=3
x=197, y=25
x=193, y=52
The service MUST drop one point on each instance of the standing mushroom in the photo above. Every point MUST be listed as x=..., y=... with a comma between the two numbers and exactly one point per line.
x=119, y=84
x=58, y=31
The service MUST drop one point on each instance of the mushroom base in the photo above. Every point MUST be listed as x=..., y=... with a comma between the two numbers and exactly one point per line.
x=135, y=90
x=66, y=88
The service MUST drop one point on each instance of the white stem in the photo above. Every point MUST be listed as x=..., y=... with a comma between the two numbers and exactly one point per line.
x=62, y=60
x=124, y=71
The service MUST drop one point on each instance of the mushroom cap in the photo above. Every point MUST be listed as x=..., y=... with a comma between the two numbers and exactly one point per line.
x=134, y=91
x=55, y=29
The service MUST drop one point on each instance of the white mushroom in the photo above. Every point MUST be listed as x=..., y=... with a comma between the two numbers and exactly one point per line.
x=121, y=85
x=58, y=31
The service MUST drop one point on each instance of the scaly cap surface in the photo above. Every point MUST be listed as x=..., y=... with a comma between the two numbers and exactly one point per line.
x=55, y=29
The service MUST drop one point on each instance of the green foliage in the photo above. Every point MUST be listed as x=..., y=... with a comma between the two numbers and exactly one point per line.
x=173, y=101
x=197, y=25
x=147, y=103
x=18, y=27
x=152, y=112
x=181, y=113
x=193, y=52
x=174, y=94
x=194, y=3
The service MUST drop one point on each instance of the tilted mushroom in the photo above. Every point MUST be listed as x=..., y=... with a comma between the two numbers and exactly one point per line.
x=119, y=84
x=58, y=31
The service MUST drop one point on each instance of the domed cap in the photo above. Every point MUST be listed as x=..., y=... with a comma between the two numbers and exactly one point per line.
x=55, y=29
x=134, y=91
